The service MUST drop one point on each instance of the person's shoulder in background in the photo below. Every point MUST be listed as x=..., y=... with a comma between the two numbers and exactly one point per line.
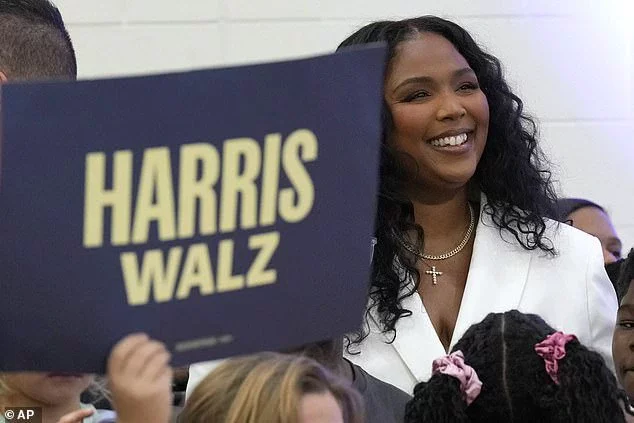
x=384, y=403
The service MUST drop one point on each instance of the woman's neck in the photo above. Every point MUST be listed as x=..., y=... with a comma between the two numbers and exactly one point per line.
x=444, y=219
x=50, y=413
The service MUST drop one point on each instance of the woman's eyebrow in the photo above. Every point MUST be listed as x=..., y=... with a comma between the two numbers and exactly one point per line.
x=463, y=71
x=428, y=79
x=414, y=80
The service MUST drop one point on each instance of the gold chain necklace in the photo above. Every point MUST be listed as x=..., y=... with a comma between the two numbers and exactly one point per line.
x=433, y=272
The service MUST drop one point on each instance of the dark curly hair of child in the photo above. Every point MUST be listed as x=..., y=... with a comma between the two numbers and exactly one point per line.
x=625, y=275
x=516, y=387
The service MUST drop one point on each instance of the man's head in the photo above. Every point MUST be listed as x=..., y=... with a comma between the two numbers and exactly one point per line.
x=34, y=43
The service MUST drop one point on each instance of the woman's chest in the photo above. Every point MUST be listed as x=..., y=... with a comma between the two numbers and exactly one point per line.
x=441, y=288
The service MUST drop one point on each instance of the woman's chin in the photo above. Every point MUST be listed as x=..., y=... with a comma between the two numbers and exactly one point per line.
x=454, y=180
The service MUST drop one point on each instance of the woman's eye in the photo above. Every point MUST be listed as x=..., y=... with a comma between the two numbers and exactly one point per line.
x=626, y=324
x=616, y=254
x=417, y=96
x=468, y=86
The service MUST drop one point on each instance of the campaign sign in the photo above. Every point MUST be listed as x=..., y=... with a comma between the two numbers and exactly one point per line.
x=221, y=211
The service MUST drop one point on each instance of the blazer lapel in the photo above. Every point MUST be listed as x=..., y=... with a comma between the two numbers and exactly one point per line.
x=416, y=340
x=497, y=275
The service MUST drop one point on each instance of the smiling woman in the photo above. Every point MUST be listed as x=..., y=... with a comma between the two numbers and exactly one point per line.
x=459, y=158
x=445, y=109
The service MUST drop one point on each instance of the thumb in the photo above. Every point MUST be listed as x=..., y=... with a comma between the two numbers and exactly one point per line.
x=76, y=416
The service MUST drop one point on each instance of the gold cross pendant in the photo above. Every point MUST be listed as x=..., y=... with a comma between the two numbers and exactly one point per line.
x=434, y=274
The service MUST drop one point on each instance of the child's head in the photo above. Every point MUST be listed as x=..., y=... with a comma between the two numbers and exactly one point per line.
x=625, y=275
x=623, y=340
x=516, y=386
x=43, y=389
x=272, y=387
x=614, y=271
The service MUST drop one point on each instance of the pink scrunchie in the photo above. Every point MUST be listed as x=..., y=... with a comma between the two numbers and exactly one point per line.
x=454, y=365
x=552, y=349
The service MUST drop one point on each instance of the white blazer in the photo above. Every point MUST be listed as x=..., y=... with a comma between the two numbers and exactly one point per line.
x=570, y=291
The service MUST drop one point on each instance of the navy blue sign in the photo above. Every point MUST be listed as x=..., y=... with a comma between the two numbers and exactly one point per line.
x=221, y=211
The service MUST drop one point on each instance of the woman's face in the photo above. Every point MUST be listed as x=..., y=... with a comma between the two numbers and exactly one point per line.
x=440, y=114
x=48, y=389
x=596, y=222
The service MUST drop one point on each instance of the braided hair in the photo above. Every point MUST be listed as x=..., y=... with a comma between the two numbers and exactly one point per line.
x=515, y=384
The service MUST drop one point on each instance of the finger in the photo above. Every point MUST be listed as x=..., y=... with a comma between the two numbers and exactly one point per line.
x=165, y=378
x=162, y=382
x=158, y=366
x=76, y=416
x=138, y=361
x=123, y=349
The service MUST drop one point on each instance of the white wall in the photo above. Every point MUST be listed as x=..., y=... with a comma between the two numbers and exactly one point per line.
x=570, y=60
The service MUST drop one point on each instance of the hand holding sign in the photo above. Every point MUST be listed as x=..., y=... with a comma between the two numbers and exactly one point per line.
x=140, y=377
x=77, y=416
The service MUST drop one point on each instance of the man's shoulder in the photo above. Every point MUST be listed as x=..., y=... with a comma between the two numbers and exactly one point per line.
x=384, y=403
x=378, y=388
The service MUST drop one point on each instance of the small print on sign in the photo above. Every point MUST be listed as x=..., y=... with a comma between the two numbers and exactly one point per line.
x=22, y=414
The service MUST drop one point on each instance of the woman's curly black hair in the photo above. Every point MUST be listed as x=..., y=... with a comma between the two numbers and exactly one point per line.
x=515, y=384
x=512, y=172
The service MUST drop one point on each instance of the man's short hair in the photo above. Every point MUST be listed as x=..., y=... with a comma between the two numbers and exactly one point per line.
x=34, y=43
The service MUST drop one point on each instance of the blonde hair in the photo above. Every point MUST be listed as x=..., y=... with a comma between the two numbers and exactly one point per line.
x=5, y=390
x=266, y=387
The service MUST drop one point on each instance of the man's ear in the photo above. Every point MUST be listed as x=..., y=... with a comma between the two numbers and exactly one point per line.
x=3, y=77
